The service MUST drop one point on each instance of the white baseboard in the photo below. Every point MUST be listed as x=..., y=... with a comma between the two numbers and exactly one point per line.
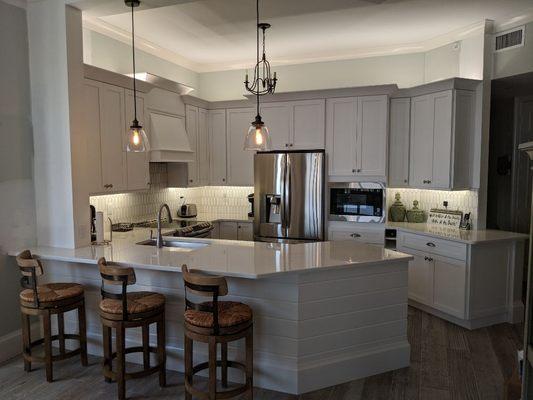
x=11, y=344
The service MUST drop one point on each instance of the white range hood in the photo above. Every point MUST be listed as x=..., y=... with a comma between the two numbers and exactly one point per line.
x=169, y=141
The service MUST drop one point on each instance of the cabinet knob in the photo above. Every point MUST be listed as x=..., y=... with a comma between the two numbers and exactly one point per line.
x=190, y=180
x=353, y=171
x=223, y=180
x=355, y=235
x=405, y=181
x=286, y=144
x=428, y=259
x=359, y=170
x=290, y=145
x=430, y=244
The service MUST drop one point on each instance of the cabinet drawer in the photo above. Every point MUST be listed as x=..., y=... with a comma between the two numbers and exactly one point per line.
x=428, y=244
x=358, y=235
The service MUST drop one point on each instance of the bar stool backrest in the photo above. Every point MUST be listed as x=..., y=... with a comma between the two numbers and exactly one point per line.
x=116, y=275
x=205, y=286
x=30, y=268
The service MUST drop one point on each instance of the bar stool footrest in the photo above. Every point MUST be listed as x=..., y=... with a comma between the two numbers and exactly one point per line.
x=109, y=373
x=224, y=394
x=58, y=357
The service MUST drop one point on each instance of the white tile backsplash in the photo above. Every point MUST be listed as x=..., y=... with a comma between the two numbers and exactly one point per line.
x=462, y=200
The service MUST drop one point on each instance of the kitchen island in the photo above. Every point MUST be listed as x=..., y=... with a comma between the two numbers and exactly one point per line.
x=324, y=313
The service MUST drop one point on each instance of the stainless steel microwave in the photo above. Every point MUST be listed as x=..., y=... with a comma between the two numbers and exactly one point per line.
x=357, y=201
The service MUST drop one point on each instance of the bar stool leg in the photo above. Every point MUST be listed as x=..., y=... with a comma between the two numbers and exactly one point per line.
x=26, y=340
x=250, y=362
x=146, y=346
x=121, y=361
x=47, y=327
x=161, y=351
x=224, y=356
x=82, y=327
x=61, y=332
x=188, y=347
x=106, y=333
x=212, y=368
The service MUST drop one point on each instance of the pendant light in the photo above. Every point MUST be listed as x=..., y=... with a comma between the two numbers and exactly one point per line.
x=258, y=136
x=137, y=139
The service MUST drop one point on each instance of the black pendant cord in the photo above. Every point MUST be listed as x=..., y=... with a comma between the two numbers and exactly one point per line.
x=135, y=122
x=257, y=57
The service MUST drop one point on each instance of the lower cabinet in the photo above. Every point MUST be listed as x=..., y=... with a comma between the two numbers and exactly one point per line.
x=357, y=233
x=245, y=231
x=421, y=280
x=230, y=230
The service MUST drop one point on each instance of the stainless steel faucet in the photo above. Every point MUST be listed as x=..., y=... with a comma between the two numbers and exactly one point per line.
x=159, y=240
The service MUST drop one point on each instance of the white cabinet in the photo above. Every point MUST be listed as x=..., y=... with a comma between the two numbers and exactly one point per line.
x=441, y=149
x=420, y=283
x=357, y=233
x=245, y=231
x=202, y=149
x=228, y=230
x=240, y=161
x=356, y=136
x=91, y=128
x=400, y=110
x=138, y=164
x=191, y=126
x=217, y=147
x=295, y=125
x=449, y=286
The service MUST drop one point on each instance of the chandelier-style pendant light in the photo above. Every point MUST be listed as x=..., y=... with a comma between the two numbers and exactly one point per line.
x=137, y=139
x=258, y=137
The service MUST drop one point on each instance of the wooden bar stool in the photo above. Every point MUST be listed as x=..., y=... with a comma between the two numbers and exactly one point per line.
x=215, y=322
x=44, y=301
x=130, y=310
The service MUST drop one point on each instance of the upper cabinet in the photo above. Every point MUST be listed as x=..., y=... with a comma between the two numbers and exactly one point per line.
x=295, y=125
x=240, y=161
x=356, y=133
x=196, y=126
x=138, y=164
x=217, y=147
x=441, y=140
x=191, y=126
x=399, y=128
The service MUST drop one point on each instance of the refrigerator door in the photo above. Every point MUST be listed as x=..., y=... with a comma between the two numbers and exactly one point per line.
x=304, y=196
x=269, y=205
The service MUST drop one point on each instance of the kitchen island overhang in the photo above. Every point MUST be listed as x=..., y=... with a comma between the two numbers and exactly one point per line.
x=324, y=313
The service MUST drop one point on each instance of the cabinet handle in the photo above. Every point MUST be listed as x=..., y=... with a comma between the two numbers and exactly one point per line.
x=405, y=181
x=429, y=181
x=291, y=144
x=110, y=185
x=431, y=244
x=355, y=235
x=359, y=170
x=223, y=180
x=286, y=144
x=353, y=171
x=428, y=259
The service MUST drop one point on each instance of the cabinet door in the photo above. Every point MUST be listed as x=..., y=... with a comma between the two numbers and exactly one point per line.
x=191, y=125
x=449, y=286
x=138, y=164
x=308, y=125
x=217, y=140
x=277, y=118
x=421, y=154
x=245, y=231
x=240, y=161
x=442, y=139
x=369, y=236
x=113, y=148
x=372, y=118
x=202, y=150
x=400, y=110
x=228, y=230
x=341, y=135
x=421, y=279
x=91, y=126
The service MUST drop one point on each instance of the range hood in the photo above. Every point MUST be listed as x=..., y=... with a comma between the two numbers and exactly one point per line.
x=169, y=141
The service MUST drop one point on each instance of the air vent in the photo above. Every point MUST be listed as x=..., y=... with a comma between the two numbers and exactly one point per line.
x=509, y=39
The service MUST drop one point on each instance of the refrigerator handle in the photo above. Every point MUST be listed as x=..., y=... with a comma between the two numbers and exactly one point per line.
x=288, y=204
x=283, y=193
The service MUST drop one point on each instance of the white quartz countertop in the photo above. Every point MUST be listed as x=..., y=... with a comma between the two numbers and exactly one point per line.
x=226, y=257
x=471, y=237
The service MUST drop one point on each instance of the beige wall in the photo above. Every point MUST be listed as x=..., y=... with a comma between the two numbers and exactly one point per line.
x=17, y=204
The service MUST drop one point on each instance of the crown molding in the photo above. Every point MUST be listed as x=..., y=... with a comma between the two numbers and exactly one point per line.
x=17, y=3
x=514, y=21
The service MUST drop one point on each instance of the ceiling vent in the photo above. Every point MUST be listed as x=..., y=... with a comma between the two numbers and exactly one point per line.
x=509, y=39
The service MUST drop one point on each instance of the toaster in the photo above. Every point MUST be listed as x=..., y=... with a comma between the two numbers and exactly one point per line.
x=187, y=211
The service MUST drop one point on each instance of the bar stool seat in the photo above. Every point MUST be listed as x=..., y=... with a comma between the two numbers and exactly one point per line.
x=138, y=302
x=230, y=313
x=51, y=293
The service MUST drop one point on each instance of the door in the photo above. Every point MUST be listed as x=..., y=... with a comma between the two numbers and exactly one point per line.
x=277, y=118
x=449, y=291
x=421, y=279
x=245, y=231
x=341, y=135
x=202, y=153
x=303, y=199
x=228, y=230
x=138, y=164
x=191, y=126
x=421, y=146
x=113, y=146
x=240, y=161
x=372, y=117
x=217, y=139
x=442, y=140
x=400, y=110
x=91, y=126
x=308, y=125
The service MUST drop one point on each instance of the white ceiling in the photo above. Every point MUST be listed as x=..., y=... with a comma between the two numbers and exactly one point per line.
x=220, y=34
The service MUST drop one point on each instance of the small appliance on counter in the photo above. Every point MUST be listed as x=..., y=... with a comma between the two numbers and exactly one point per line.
x=251, y=200
x=93, y=226
x=187, y=210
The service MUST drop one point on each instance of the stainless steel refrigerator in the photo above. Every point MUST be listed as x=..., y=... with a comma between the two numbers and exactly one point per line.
x=289, y=196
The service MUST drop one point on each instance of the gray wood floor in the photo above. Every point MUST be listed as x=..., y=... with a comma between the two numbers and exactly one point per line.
x=447, y=362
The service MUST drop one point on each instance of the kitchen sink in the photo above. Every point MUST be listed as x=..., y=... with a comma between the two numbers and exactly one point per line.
x=175, y=244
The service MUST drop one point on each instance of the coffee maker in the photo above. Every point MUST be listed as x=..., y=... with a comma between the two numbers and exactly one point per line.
x=251, y=200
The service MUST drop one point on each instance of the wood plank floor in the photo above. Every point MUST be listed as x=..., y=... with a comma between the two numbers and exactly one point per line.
x=447, y=362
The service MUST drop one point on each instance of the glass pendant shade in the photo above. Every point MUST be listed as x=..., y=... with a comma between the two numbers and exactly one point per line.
x=257, y=138
x=137, y=139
